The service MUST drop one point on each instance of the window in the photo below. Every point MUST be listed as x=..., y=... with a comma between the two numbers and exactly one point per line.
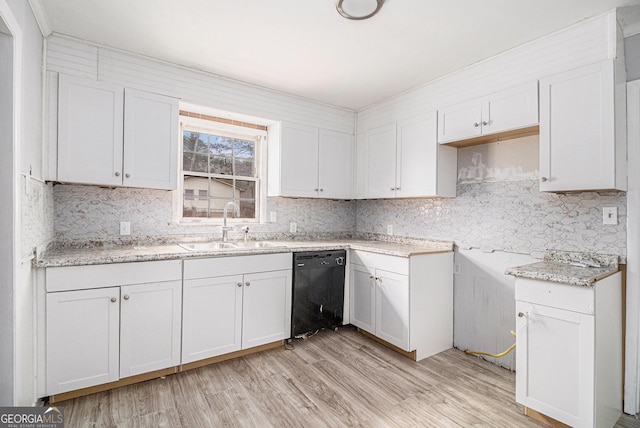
x=219, y=164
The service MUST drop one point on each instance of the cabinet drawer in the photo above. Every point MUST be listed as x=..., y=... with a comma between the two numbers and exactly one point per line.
x=222, y=266
x=562, y=296
x=381, y=261
x=67, y=278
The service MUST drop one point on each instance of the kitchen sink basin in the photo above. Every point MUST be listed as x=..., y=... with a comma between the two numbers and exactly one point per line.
x=207, y=246
x=255, y=244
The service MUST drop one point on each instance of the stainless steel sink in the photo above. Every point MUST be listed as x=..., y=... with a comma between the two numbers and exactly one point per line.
x=255, y=244
x=207, y=246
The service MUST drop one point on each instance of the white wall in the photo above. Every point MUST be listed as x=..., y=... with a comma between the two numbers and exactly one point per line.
x=27, y=158
x=6, y=220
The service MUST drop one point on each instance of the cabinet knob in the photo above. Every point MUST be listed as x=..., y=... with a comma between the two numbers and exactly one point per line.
x=315, y=190
x=126, y=297
x=247, y=283
x=322, y=190
x=127, y=175
x=476, y=124
x=392, y=189
x=543, y=179
x=113, y=300
x=520, y=314
x=239, y=284
x=117, y=174
x=485, y=123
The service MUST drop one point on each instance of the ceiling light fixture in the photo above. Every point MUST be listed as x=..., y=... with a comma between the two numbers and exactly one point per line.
x=358, y=9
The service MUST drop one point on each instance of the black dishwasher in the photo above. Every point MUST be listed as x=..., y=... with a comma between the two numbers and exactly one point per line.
x=318, y=291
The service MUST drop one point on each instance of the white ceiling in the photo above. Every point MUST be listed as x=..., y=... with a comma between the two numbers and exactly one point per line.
x=303, y=47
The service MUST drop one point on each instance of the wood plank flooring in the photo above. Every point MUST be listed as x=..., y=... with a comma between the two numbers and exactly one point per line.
x=333, y=379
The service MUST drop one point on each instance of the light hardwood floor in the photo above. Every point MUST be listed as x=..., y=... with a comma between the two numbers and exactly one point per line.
x=333, y=379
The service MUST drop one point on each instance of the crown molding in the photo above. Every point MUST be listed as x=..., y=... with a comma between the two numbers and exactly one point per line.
x=631, y=30
x=41, y=16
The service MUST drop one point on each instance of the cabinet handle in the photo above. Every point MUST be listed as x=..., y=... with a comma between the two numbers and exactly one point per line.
x=113, y=300
x=127, y=175
x=239, y=284
x=543, y=179
x=485, y=123
x=520, y=314
x=126, y=297
x=117, y=174
x=476, y=124
x=247, y=283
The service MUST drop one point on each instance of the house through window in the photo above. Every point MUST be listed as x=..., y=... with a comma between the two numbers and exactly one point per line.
x=220, y=164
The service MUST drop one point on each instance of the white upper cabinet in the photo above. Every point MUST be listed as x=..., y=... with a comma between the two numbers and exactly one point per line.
x=111, y=136
x=311, y=162
x=150, y=140
x=403, y=159
x=503, y=111
x=380, y=170
x=582, y=129
x=89, y=131
x=335, y=166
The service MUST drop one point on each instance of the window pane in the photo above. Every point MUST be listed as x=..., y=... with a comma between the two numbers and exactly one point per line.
x=220, y=165
x=194, y=206
x=194, y=162
x=221, y=145
x=194, y=142
x=247, y=208
x=245, y=153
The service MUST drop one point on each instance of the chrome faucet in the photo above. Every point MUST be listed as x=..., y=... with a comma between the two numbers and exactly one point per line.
x=225, y=228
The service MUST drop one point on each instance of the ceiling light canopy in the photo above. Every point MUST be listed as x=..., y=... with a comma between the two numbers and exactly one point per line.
x=358, y=9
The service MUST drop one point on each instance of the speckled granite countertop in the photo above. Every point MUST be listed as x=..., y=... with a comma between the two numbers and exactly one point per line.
x=100, y=254
x=572, y=268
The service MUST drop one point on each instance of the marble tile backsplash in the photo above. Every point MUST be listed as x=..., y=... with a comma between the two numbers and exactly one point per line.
x=91, y=212
x=510, y=216
x=37, y=216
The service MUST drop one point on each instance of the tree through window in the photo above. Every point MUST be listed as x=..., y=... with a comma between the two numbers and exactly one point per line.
x=218, y=168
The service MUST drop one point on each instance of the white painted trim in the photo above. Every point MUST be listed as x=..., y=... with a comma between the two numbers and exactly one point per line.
x=41, y=17
x=632, y=339
x=16, y=33
x=631, y=30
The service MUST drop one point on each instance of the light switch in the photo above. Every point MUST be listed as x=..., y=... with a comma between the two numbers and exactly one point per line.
x=610, y=215
x=293, y=227
x=272, y=216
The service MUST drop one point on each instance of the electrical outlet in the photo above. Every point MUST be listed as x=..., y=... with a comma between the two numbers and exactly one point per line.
x=609, y=215
x=389, y=229
x=272, y=216
x=125, y=228
x=457, y=269
x=293, y=227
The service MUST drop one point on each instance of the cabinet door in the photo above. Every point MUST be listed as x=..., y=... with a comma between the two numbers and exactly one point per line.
x=363, y=298
x=82, y=338
x=392, y=308
x=299, y=160
x=266, y=308
x=510, y=109
x=555, y=363
x=150, y=322
x=381, y=162
x=89, y=131
x=417, y=157
x=335, y=177
x=212, y=317
x=361, y=166
x=577, y=130
x=460, y=121
x=150, y=140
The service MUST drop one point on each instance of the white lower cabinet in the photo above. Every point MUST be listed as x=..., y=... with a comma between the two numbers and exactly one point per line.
x=83, y=346
x=150, y=319
x=234, y=303
x=405, y=301
x=569, y=350
x=106, y=322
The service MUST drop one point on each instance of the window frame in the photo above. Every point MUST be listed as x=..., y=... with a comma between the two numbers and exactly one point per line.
x=227, y=130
